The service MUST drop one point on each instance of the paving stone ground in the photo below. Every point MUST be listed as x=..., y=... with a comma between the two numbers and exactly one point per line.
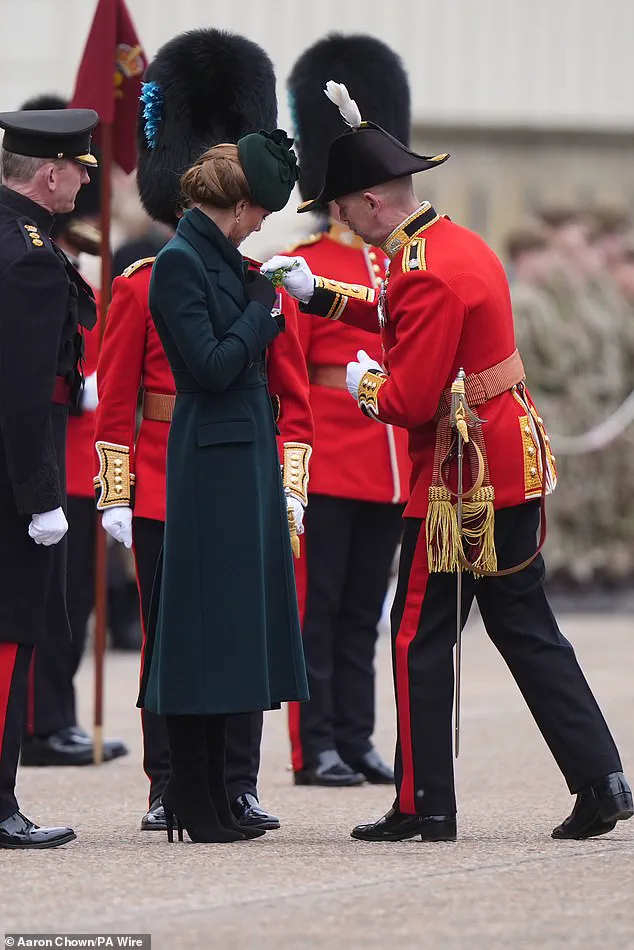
x=504, y=884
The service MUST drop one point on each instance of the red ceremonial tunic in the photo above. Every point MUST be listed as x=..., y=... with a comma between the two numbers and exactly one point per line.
x=352, y=456
x=132, y=359
x=447, y=306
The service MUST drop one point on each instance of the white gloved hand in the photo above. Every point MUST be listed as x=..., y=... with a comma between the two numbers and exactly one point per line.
x=48, y=527
x=297, y=278
x=117, y=522
x=89, y=396
x=355, y=371
x=295, y=505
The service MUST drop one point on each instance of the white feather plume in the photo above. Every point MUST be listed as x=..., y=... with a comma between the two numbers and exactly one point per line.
x=337, y=93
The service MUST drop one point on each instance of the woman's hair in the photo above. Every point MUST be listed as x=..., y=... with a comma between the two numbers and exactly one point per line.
x=216, y=179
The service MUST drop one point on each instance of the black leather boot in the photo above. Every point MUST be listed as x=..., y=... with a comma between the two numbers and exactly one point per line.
x=598, y=808
x=373, y=768
x=395, y=826
x=187, y=800
x=249, y=813
x=216, y=750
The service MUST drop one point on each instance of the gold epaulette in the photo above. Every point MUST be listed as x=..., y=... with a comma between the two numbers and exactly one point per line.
x=368, y=394
x=133, y=268
x=414, y=255
x=114, y=485
x=305, y=242
x=295, y=469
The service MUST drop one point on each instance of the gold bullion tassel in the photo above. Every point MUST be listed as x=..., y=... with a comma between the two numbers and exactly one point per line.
x=292, y=527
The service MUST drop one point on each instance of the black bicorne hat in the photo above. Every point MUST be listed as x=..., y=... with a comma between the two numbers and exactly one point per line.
x=203, y=88
x=364, y=64
x=365, y=156
x=84, y=236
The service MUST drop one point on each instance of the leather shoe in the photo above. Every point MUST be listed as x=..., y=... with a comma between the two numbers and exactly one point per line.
x=395, y=826
x=375, y=770
x=331, y=771
x=154, y=818
x=18, y=831
x=71, y=746
x=249, y=813
x=598, y=808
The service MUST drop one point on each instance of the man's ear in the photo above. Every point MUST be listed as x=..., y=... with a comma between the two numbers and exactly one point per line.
x=373, y=200
x=50, y=176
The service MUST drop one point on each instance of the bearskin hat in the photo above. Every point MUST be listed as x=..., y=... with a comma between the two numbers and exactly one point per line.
x=88, y=200
x=376, y=80
x=203, y=88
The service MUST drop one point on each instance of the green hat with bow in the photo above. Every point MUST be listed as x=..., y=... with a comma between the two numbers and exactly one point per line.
x=270, y=167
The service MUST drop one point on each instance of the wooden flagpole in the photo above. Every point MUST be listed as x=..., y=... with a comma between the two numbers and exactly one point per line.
x=101, y=551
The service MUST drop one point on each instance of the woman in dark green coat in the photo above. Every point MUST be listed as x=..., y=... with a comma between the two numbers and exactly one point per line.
x=227, y=636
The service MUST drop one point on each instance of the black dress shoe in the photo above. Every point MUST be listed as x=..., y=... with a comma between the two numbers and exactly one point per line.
x=598, y=808
x=330, y=771
x=249, y=813
x=395, y=826
x=70, y=746
x=18, y=831
x=112, y=748
x=154, y=818
x=372, y=766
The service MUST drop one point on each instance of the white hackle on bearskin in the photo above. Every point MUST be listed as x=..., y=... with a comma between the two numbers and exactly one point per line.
x=337, y=93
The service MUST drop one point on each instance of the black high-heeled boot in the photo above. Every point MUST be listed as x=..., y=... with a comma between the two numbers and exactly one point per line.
x=187, y=798
x=216, y=750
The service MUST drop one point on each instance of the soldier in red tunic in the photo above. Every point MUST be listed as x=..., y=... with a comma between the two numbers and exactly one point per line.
x=359, y=471
x=131, y=480
x=445, y=306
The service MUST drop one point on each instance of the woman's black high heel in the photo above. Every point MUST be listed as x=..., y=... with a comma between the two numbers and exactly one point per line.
x=187, y=800
x=169, y=820
x=216, y=744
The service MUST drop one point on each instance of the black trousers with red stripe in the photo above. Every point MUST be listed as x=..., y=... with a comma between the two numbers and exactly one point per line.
x=244, y=732
x=519, y=621
x=51, y=695
x=15, y=660
x=350, y=546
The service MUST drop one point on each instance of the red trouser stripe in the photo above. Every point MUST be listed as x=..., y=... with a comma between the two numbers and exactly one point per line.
x=416, y=587
x=8, y=654
x=294, y=709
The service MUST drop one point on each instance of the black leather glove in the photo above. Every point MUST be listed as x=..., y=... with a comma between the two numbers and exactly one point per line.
x=260, y=289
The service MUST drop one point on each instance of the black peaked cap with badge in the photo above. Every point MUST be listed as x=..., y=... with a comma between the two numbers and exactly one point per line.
x=203, y=88
x=378, y=81
x=50, y=133
x=83, y=235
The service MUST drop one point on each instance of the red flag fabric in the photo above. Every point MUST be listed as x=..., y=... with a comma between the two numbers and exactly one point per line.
x=110, y=76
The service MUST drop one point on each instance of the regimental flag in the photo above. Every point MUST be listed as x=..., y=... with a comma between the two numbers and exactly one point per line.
x=110, y=76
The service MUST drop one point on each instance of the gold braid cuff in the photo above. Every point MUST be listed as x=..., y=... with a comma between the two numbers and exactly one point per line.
x=330, y=297
x=368, y=395
x=114, y=485
x=295, y=470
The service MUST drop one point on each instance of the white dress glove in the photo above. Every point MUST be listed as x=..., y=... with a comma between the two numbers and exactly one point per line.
x=356, y=370
x=298, y=278
x=295, y=505
x=117, y=522
x=48, y=527
x=89, y=397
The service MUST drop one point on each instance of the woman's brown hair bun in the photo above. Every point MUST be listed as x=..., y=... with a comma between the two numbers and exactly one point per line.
x=216, y=179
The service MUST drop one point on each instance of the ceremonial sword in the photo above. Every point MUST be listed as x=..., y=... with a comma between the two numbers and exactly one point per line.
x=458, y=420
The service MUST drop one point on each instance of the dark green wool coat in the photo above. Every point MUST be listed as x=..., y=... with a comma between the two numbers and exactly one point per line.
x=227, y=636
